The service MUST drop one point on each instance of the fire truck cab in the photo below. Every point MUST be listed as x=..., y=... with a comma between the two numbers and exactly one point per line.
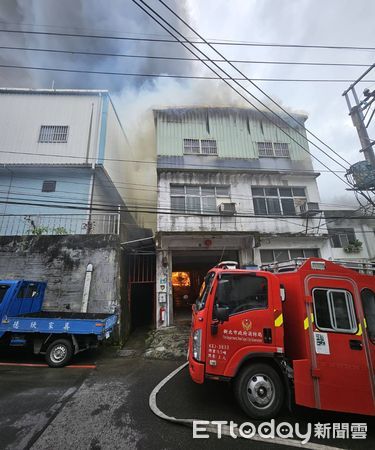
x=300, y=332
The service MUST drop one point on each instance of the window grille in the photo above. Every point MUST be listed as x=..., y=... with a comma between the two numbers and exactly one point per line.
x=49, y=186
x=273, y=150
x=53, y=134
x=200, y=147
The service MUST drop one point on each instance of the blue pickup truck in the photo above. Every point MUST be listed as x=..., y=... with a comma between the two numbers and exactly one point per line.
x=57, y=334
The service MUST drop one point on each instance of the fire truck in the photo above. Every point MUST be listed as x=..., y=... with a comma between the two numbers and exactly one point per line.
x=301, y=332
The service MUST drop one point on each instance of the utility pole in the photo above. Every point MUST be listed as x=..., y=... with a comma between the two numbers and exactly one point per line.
x=358, y=119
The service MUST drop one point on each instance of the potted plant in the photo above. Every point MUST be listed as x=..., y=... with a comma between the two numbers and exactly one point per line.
x=353, y=246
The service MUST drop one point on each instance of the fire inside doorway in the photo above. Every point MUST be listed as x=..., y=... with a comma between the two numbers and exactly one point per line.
x=188, y=271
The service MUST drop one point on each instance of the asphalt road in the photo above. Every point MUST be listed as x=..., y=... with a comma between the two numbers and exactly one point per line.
x=107, y=407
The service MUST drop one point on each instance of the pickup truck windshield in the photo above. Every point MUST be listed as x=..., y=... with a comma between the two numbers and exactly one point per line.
x=3, y=290
x=204, y=291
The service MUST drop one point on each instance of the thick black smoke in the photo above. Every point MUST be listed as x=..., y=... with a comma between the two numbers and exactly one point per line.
x=100, y=17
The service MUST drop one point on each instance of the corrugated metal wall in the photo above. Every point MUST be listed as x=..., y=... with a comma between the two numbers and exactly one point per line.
x=236, y=131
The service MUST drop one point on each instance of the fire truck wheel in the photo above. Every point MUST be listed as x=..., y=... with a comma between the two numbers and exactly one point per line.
x=259, y=391
x=59, y=353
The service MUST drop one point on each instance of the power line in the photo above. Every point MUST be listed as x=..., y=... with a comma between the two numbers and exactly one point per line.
x=147, y=209
x=84, y=196
x=166, y=40
x=181, y=58
x=140, y=161
x=229, y=84
x=177, y=76
x=253, y=84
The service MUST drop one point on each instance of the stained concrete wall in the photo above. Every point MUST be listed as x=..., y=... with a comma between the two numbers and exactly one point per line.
x=61, y=261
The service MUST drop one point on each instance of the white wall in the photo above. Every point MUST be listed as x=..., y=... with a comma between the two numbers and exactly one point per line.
x=22, y=114
x=240, y=187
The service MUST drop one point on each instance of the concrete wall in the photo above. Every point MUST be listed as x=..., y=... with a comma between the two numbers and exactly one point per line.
x=240, y=193
x=61, y=261
x=364, y=230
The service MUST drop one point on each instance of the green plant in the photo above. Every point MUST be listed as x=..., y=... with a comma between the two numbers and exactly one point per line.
x=353, y=247
x=38, y=231
x=60, y=230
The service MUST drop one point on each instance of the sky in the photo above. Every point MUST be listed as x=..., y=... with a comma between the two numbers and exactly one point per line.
x=302, y=22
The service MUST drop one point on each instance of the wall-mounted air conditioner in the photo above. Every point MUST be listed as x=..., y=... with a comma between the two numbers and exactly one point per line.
x=308, y=209
x=227, y=209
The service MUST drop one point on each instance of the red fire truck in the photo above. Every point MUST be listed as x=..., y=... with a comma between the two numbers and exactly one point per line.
x=301, y=332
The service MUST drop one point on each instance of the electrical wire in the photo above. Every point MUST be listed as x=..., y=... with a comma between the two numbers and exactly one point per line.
x=229, y=84
x=181, y=58
x=285, y=111
x=177, y=76
x=166, y=40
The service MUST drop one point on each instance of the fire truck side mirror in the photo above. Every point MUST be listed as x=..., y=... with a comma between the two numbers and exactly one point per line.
x=222, y=314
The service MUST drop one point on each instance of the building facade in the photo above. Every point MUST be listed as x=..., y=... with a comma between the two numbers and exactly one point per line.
x=232, y=185
x=63, y=163
x=352, y=234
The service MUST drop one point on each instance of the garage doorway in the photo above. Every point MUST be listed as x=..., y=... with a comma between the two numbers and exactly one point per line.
x=188, y=271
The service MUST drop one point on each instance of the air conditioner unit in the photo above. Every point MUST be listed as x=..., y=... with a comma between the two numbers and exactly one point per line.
x=308, y=209
x=227, y=209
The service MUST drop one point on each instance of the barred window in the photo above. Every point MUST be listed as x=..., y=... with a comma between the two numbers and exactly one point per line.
x=265, y=149
x=200, y=147
x=49, y=186
x=208, y=147
x=191, y=146
x=53, y=134
x=273, y=150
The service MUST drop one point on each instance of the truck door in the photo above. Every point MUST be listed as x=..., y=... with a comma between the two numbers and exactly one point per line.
x=339, y=356
x=250, y=325
x=368, y=305
x=29, y=299
x=3, y=290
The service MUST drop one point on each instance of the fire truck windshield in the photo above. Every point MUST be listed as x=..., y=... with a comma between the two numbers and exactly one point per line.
x=204, y=290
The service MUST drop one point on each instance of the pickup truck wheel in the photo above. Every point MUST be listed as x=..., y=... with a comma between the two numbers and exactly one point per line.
x=259, y=391
x=59, y=353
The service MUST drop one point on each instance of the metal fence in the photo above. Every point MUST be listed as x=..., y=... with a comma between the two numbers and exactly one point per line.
x=47, y=224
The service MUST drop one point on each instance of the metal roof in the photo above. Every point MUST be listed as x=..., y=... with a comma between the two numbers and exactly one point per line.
x=4, y=90
x=178, y=114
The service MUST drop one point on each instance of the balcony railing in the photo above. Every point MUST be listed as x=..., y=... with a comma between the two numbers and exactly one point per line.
x=46, y=224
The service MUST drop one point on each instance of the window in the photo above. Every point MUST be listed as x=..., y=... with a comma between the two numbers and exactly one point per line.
x=204, y=291
x=49, y=186
x=276, y=201
x=200, y=147
x=28, y=291
x=196, y=199
x=280, y=255
x=273, y=150
x=53, y=134
x=3, y=291
x=334, y=310
x=341, y=237
x=368, y=303
x=240, y=293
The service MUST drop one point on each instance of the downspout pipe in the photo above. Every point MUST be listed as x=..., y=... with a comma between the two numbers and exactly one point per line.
x=86, y=288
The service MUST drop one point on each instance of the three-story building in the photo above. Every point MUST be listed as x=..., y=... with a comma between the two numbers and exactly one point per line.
x=233, y=184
